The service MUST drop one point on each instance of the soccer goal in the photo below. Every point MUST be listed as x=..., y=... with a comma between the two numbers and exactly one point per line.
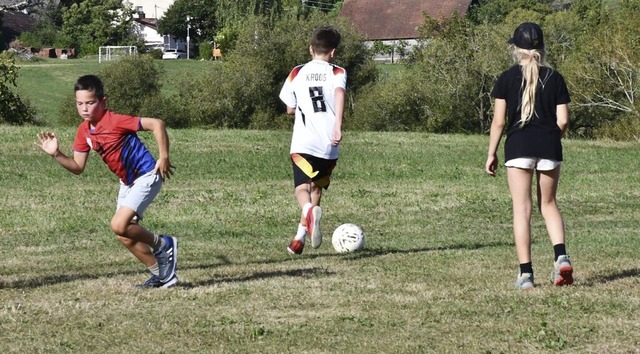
x=107, y=53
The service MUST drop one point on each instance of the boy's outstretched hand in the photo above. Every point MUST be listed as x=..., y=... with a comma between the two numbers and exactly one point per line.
x=48, y=142
x=164, y=166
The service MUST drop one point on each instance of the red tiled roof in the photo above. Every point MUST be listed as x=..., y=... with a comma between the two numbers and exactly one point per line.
x=397, y=19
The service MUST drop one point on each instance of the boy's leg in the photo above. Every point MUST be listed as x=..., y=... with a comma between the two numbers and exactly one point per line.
x=307, y=194
x=132, y=202
x=134, y=237
x=303, y=197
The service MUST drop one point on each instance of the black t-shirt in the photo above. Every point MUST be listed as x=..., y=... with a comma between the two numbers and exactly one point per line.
x=540, y=137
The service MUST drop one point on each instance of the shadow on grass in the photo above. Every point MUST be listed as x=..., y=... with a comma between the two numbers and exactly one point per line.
x=622, y=274
x=306, y=272
x=301, y=273
x=58, y=279
x=376, y=252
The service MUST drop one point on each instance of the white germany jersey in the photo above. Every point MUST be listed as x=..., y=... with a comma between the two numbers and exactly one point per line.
x=310, y=89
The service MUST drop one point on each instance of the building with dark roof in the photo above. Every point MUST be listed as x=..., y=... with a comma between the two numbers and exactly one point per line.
x=391, y=21
x=13, y=24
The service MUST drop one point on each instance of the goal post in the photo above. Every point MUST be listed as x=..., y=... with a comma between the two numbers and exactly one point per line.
x=114, y=52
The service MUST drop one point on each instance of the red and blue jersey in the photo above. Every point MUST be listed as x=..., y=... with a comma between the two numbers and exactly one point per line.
x=114, y=138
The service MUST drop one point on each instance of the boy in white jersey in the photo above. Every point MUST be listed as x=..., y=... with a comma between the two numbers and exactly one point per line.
x=315, y=93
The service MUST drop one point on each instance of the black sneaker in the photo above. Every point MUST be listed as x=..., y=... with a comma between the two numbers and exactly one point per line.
x=167, y=258
x=154, y=282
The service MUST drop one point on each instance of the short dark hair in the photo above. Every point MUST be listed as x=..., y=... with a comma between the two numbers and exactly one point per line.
x=324, y=40
x=90, y=83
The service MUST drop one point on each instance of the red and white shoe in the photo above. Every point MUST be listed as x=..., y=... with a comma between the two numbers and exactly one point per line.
x=313, y=226
x=296, y=247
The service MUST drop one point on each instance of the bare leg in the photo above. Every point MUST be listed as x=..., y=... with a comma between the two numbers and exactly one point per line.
x=547, y=189
x=134, y=237
x=520, y=188
x=307, y=193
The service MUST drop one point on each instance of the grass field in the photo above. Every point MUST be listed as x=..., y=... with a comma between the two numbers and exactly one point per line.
x=436, y=276
x=47, y=83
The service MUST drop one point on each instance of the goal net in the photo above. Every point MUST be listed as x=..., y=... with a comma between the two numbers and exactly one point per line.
x=107, y=53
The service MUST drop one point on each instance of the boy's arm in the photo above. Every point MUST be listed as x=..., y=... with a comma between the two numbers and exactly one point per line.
x=336, y=137
x=291, y=110
x=163, y=165
x=48, y=142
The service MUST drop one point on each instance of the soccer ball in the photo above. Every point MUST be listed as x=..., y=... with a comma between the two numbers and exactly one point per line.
x=348, y=238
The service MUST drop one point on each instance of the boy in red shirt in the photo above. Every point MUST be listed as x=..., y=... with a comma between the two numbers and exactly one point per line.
x=113, y=136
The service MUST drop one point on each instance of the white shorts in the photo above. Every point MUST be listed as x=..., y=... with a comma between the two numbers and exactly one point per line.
x=530, y=163
x=139, y=195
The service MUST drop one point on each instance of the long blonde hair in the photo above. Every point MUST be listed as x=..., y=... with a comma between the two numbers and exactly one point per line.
x=530, y=60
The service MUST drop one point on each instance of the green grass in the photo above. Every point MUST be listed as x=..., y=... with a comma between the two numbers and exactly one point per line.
x=47, y=83
x=436, y=276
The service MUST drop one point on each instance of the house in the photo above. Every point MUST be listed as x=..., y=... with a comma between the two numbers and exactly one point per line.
x=13, y=24
x=147, y=29
x=396, y=22
x=151, y=8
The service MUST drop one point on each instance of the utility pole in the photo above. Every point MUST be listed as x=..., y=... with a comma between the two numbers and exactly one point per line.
x=188, y=39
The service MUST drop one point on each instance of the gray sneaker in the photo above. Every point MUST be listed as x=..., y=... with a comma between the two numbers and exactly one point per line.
x=167, y=258
x=524, y=281
x=562, y=271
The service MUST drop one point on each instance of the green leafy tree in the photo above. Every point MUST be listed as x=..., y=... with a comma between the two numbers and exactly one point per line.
x=203, y=19
x=94, y=23
x=496, y=11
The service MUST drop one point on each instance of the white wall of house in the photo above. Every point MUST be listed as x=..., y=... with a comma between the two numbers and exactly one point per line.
x=154, y=40
x=152, y=8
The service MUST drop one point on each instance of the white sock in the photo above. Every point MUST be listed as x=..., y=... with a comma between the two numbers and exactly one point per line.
x=154, y=269
x=305, y=209
x=302, y=232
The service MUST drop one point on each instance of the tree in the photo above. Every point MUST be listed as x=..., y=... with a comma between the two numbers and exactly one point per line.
x=603, y=70
x=94, y=23
x=496, y=11
x=203, y=19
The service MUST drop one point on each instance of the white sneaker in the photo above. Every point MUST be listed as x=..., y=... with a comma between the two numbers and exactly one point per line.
x=313, y=226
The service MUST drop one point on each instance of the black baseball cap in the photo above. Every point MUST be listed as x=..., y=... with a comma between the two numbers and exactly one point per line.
x=528, y=36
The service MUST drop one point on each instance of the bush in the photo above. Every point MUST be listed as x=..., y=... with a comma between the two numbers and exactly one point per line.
x=131, y=81
x=602, y=72
x=155, y=54
x=394, y=104
x=13, y=109
x=244, y=91
x=68, y=114
x=624, y=128
x=205, y=51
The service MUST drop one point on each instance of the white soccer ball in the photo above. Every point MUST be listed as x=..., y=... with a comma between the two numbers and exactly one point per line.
x=348, y=238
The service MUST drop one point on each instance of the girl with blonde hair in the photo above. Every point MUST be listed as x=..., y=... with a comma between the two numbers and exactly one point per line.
x=531, y=99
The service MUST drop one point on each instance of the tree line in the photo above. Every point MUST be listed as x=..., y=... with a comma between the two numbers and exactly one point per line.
x=445, y=82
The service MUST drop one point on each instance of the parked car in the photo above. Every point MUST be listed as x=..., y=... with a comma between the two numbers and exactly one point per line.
x=174, y=54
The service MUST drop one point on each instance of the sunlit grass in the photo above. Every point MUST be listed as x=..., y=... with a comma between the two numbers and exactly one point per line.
x=436, y=276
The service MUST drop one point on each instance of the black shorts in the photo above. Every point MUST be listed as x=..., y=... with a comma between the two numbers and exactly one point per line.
x=308, y=168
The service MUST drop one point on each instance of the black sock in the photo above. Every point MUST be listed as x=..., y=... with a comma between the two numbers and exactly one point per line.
x=559, y=250
x=526, y=268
